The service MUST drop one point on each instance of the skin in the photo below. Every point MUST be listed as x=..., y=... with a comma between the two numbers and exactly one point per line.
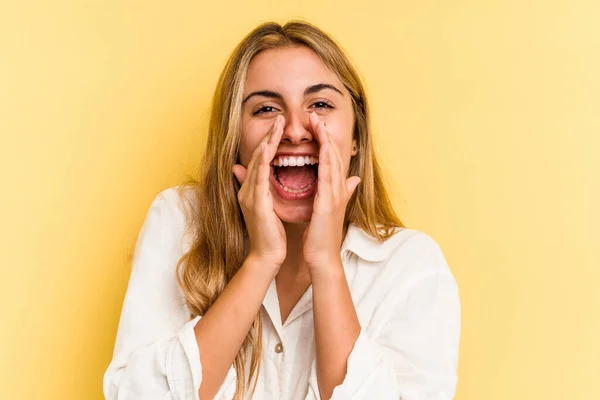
x=321, y=122
x=289, y=72
x=295, y=242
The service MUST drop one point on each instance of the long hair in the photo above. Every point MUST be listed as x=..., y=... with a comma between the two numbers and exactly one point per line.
x=220, y=239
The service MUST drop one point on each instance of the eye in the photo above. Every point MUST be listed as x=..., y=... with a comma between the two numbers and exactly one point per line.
x=322, y=104
x=264, y=110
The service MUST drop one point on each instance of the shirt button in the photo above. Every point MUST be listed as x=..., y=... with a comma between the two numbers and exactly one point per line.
x=278, y=348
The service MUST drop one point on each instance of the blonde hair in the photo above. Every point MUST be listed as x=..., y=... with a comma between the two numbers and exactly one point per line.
x=220, y=240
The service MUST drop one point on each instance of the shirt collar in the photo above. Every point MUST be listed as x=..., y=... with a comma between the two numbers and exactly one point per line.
x=364, y=245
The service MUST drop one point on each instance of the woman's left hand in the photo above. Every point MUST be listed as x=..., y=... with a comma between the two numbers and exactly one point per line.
x=323, y=236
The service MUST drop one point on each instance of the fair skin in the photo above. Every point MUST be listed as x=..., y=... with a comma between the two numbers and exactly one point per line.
x=293, y=104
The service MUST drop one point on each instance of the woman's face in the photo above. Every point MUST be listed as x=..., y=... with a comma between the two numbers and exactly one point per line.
x=284, y=81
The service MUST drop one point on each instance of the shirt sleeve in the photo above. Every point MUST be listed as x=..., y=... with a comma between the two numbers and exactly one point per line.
x=415, y=355
x=156, y=355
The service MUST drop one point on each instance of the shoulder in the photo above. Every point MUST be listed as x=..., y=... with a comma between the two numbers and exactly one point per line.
x=407, y=255
x=407, y=271
x=174, y=204
x=416, y=264
x=417, y=250
x=168, y=216
x=173, y=199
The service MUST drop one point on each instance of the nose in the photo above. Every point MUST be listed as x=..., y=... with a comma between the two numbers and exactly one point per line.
x=296, y=130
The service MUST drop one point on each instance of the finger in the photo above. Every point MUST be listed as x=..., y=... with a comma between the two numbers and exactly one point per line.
x=314, y=122
x=269, y=151
x=324, y=175
x=257, y=152
x=336, y=150
x=270, y=140
x=323, y=136
x=264, y=166
x=275, y=137
x=332, y=162
x=251, y=177
x=240, y=173
x=278, y=122
x=336, y=161
x=324, y=187
x=258, y=187
x=267, y=137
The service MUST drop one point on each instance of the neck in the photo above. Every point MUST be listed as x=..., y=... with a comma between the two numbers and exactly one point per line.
x=294, y=263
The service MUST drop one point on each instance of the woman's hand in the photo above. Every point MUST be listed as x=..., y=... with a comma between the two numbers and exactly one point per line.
x=265, y=230
x=323, y=236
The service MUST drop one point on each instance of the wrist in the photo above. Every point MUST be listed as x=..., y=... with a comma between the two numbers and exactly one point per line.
x=258, y=265
x=326, y=269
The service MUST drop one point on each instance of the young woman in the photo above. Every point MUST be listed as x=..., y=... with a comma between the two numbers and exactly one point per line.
x=283, y=272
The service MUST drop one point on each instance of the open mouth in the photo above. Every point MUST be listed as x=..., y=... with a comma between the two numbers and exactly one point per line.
x=295, y=174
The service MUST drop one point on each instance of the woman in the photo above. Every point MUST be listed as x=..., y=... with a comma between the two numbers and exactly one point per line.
x=296, y=280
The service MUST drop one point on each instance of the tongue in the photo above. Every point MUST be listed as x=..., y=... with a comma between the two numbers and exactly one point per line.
x=296, y=177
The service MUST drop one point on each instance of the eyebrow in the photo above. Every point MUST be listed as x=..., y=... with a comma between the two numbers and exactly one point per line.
x=309, y=90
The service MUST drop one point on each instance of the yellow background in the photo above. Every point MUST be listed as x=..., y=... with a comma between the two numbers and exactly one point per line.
x=486, y=116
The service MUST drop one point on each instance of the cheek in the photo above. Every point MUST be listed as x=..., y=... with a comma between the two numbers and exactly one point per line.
x=341, y=134
x=245, y=152
x=249, y=141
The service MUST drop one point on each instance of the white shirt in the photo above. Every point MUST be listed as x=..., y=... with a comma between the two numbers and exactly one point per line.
x=405, y=297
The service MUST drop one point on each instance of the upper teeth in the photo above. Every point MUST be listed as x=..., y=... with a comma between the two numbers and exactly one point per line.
x=290, y=161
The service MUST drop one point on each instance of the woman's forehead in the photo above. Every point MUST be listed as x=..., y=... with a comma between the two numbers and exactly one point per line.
x=289, y=69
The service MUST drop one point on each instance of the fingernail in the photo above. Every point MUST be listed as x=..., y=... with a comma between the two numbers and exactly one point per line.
x=313, y=116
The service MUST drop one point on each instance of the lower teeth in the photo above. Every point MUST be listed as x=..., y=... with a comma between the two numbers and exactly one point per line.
x=304, y=189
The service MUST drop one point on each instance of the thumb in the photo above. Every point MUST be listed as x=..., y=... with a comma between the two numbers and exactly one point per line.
x=240, y=173
x=351, y=184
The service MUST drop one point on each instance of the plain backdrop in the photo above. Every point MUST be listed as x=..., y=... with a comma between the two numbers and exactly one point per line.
x=485, y=117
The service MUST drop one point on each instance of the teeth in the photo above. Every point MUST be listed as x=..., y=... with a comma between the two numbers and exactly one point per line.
x=304, y=189
x=290, y=161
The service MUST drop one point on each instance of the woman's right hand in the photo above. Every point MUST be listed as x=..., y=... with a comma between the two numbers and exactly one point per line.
x=265, y=230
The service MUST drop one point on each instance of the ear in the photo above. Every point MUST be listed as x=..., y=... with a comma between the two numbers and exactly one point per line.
x=354, y=150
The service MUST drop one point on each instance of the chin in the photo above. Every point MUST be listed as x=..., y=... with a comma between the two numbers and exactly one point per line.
x=295, y=211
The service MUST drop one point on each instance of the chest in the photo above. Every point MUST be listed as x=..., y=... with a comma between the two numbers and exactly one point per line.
x=289, y=292
x=288, y=350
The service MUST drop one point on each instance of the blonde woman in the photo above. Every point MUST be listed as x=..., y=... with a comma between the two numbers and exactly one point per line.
x=282, y=272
